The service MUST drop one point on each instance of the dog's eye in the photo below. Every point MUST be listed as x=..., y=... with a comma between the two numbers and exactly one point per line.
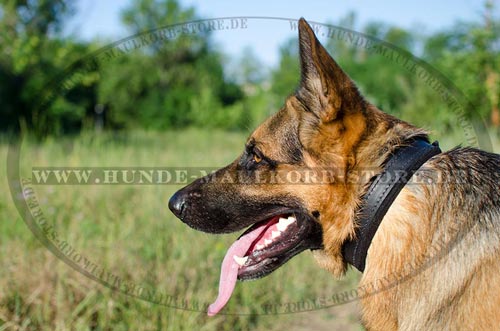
x=253, y=159
x=257, y=158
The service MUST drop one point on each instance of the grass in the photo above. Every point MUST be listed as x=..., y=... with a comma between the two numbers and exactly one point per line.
x=128, y=231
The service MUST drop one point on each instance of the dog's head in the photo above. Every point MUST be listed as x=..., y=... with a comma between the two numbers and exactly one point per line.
x=292, y=184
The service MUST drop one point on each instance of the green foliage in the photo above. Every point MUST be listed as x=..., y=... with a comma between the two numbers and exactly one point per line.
x=469, y=54
x=32, y=53
x=172, y=83
x=285, y=79
x=185, y=81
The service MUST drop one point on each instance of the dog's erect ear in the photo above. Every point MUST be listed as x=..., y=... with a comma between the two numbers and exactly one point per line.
x=324, y=88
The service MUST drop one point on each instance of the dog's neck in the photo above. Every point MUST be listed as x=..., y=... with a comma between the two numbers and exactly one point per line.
x=383, y=190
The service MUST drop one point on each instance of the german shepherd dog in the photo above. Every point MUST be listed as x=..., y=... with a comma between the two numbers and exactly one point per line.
x=327, y=130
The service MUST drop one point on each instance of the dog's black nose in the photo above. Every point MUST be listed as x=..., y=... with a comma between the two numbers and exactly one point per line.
x=177, y=204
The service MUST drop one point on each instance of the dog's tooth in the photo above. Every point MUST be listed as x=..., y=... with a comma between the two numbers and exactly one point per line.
x=282, y=219
x=259, y=246
x=240, y=260
x=292, y=218
x=275, y=234
x=282, y=226
x=267, y=242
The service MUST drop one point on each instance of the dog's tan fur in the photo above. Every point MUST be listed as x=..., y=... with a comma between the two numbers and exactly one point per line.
x=456, y=292
x=338, y=129
x=433, y=263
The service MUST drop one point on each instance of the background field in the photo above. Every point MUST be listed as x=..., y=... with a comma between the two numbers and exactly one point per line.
x=183, y=101
x=128, y=230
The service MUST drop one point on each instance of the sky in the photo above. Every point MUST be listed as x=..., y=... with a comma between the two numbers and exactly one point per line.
x=101, y=18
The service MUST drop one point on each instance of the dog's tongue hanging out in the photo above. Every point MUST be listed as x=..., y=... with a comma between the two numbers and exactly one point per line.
x=230, y=266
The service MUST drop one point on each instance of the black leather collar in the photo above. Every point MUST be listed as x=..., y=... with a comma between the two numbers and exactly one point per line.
x=381, y=194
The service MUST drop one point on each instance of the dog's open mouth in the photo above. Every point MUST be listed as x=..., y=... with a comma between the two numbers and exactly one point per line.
x=263, y=248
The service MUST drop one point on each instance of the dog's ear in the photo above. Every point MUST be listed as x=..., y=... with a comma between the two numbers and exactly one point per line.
x=324, y=88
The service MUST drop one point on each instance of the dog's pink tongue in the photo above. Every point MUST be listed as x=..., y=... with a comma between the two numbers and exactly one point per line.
x=229, y=268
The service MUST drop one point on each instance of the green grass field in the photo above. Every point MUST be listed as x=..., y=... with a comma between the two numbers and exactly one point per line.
x=129, y=231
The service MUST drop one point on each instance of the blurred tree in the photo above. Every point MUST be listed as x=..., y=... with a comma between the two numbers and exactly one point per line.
x=400, y=37
x=285, y=78
x=248, y=69
x=32, y=52
x=183, y=80
x=173, y=82
x=469, y=54
x=251, y=74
